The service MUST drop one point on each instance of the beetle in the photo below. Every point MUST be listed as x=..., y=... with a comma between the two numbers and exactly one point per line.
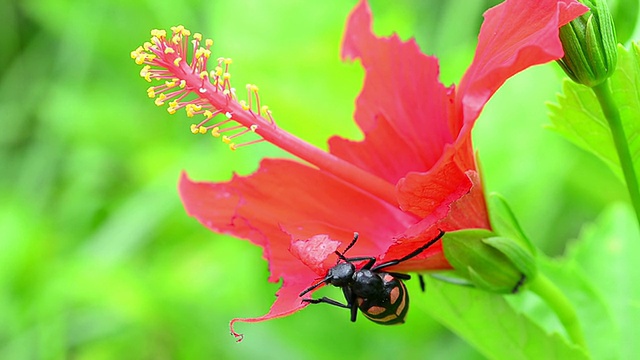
x=381, y=296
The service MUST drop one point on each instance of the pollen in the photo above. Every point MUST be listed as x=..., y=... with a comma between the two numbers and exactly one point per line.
x=185, y=75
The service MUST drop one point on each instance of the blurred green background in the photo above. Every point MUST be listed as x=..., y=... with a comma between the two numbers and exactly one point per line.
x=98, y=259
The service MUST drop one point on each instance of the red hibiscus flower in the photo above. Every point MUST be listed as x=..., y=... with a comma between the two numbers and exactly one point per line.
x=413, y=173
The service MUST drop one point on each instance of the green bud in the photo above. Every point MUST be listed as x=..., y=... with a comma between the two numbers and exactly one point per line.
x=589, y=42
x=489, y=262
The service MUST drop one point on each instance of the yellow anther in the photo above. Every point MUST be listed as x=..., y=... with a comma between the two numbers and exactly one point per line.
x=176, y=62
x=226, y=76
x=171, y=83
x=232, y=146
x=147, y=46
x=183, y=83
x=146, y=73
x=161, y=34
x=203, y=74
x=202, y=130
x=135, y=53
x=189, y=110
x=228, y=61
x=192, y=109
x=218, y=71
x=215, y=132
x=151, y=92
x=160, y=99
x=254, y=88
x=203, y=52
x=226, y=92
x=171, y=110
x=253, y=127
x=208, y=114
x=244, y=105
x=176, y=39
x=197, y=36
x=208, y=43
x=225, y=139
x=169, y=50
x=194, y=129
x=140, y=59
x=264, y=109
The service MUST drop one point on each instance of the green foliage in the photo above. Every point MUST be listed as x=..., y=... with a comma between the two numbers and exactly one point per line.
x=598, y=275
x=607, y=254
x=578, y=116
x=489, y=323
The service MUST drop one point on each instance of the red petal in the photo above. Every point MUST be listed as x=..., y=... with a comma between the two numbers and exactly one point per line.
x=403, y=109
x=284, y=201
x=413, y=238
x=314, y=252
x=430, y=193
x=515, y=35
x=287, y=302
x=436, y=193
x=470, y=212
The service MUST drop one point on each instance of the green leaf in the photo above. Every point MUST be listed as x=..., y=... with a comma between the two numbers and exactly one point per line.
x=608, y=252
x=593, y=310
x=578, y=116
x=504, y=222
x=489, y=323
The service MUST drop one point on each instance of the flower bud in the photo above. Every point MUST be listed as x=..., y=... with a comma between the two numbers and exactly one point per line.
x=489, y=262
x=589, y=42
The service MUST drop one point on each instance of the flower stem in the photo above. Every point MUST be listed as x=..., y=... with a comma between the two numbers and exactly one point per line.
x=611, y=113
x=564, y=309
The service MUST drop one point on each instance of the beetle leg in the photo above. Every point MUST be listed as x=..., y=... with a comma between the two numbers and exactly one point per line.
x=400, y=275
x=351, y=301
x=326, y=300
x=370, y=261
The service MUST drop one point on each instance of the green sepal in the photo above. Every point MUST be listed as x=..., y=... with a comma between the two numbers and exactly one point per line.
x=520, y=257
x=504, y=222
x=492, y=263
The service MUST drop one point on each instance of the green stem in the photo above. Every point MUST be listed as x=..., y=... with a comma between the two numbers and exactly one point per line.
x=611, y=113
x=549, y=292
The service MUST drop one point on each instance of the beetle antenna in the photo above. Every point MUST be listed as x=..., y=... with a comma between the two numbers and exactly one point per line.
x=353, y=242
